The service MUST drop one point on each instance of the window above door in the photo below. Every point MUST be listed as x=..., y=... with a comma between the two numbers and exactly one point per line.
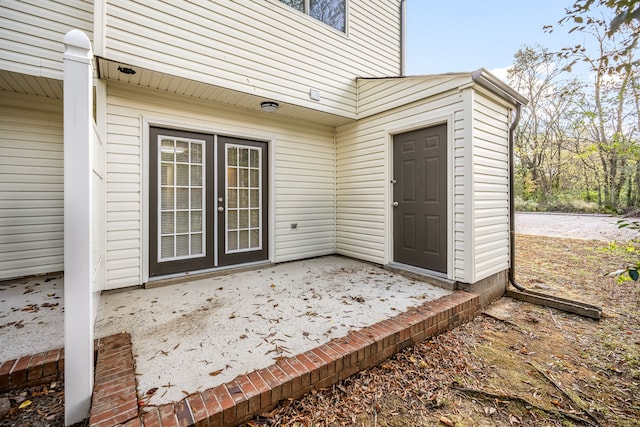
x=331, y=12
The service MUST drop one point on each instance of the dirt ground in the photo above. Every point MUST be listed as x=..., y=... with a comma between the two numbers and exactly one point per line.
x=516, y=364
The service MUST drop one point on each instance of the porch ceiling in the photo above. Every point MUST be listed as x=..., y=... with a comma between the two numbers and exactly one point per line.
x=180, y=86
x=30, y=85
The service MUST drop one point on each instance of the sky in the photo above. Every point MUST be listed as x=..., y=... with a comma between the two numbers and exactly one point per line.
x=464, y=35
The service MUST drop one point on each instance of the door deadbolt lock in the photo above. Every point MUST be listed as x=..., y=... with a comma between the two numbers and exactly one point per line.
x=395, y=204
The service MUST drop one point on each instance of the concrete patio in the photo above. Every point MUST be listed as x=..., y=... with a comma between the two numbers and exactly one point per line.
x=193, y=336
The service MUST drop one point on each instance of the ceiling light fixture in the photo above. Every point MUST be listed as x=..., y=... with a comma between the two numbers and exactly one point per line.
x=269, y=106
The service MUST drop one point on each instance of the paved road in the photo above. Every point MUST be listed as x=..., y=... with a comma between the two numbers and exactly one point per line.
x=598, y=227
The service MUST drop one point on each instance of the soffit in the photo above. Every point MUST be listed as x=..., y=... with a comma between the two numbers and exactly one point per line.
x=154, y=80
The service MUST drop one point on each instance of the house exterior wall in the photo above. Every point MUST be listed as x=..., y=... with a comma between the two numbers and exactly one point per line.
x=32, y=32
x=363, y=174
x=31, y=185
x=302, y=190
x=490, y=192
x=217, y=42
x=478, y=168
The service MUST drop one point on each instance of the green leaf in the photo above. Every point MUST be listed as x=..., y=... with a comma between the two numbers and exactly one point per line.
x=634, y=275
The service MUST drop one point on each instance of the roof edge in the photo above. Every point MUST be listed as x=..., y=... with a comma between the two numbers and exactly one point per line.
x=484, y=78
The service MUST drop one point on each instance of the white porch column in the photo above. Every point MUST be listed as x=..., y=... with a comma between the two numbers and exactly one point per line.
x=78, y=295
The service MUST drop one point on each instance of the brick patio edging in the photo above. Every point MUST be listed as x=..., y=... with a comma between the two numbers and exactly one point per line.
x=226, y=405
x=32, y=370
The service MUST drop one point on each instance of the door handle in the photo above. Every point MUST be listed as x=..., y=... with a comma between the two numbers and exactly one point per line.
x=395, y=204
x=220, y=208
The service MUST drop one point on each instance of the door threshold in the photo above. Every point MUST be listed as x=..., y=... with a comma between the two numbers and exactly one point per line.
x=432, y=277
x=172, y=279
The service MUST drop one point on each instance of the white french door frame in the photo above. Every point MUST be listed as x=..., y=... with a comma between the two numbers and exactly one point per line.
x=145, y=124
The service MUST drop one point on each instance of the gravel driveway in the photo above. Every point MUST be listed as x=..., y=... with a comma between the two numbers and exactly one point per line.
x=597, y=227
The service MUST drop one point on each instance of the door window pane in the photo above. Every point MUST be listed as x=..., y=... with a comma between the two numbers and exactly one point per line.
x=181, y=193
x=182, y=221
x=196, y=175
x=243, y=192
x=244, y=239
x=167, y=223
x=166, y=196
x=182, y=175
x=196, y=198
x=196, y=221
x=182, y=151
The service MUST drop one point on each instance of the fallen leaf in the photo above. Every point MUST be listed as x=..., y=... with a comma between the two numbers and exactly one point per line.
x=152, y=391
x=25, y=404
x=215, y=373
x=489, y=411
x=446, y=421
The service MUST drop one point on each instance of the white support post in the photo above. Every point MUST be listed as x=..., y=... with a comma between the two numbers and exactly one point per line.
x=78, y=295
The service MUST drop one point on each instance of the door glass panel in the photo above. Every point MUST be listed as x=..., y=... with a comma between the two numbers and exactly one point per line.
x=244, y=177
x=196, y=175
x=244, y=219
x=182, y=175
x=232, y=198
x=182, y=151
x=166, y=174
x=182, y=245
x=182, y=221
x=167, y=223
x=244, y=192
x=182, y=198
x=232, y=241
x=244, y=239
x=196, y=221
x=167, y=198
x=196, y=243
x=196, y=198
x=244, y=199
x=182, y=195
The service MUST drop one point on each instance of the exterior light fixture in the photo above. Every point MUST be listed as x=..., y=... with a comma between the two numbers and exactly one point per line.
x=126, y=70
x=269, y=106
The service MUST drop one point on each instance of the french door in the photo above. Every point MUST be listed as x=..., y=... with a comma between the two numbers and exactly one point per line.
x=185, y=204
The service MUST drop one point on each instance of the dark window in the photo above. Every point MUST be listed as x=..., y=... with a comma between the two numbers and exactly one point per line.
x=331, y=12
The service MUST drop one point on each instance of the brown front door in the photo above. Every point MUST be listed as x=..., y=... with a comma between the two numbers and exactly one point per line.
x=420, y=198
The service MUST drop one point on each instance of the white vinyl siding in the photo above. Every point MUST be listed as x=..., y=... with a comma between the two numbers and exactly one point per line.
x=303, y=184
x=378, y=95
x=32, y=32
x=363, y=187
x=490, y=186
x=31, y=185
x=264, y=48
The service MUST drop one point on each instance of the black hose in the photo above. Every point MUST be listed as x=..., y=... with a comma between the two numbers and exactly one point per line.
x=512, y=211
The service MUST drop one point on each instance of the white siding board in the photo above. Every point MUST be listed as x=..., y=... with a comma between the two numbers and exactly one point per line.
x=491, y=186
x=32, y=33
x=31, y=185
